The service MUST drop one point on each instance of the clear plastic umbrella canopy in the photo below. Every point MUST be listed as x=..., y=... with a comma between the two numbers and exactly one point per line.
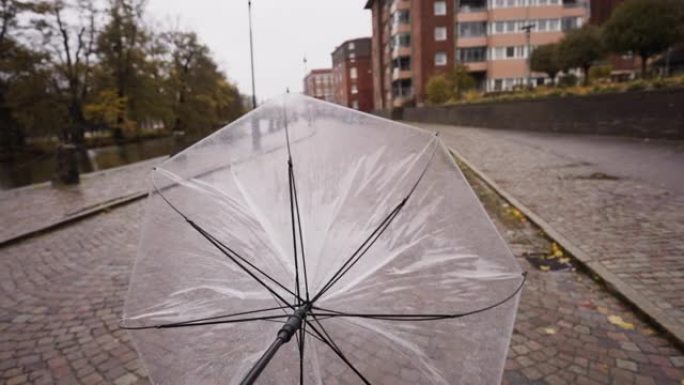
x=314, y=244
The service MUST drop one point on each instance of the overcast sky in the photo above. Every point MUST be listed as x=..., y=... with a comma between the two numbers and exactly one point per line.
x=284, y=32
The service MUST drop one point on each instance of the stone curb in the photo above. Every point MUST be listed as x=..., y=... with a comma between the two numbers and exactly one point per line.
x=90, y=211
x=612, y=281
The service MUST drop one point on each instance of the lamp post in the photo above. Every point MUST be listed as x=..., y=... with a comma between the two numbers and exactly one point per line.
x=251, y=52
x=528, y=31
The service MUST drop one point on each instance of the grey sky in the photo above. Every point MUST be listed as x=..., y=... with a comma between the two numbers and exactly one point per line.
x=284, y=32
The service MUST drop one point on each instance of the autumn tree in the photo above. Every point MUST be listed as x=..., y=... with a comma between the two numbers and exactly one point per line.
x=581, y=48
x=545, y=59
x=645, y=28
x=200, y=90
x=438, y=90
x=450, y=85
x=18, y=62
x=70, y=33
x=120, y=49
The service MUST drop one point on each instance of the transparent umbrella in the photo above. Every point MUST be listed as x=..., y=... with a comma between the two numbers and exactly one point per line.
x=309, y=243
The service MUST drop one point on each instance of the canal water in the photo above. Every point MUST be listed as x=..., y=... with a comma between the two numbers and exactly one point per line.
x=41, y=168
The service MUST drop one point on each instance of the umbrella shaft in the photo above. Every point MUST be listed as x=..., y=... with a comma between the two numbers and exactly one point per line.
x=293, y=323
x=263, y=361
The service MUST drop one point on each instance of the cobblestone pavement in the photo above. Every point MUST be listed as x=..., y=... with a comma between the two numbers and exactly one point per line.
x=563, y=332
x=61, y=295
x=30, y=208
x=633, y=226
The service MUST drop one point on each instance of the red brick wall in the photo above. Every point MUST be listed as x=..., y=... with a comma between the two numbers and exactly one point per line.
x=424, y=44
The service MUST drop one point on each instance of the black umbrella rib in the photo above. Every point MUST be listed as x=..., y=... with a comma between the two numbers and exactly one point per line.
x=295, y=217
x=331, y=344
x=301, y=236
x=361, y=251
x=292, y=219
x=231, y=254
x=219, y=246
x=417, y=316
x=373, y=237
x=300, y=341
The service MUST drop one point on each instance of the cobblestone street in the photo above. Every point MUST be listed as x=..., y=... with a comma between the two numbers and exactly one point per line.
x=61, y=295
x=620, y=201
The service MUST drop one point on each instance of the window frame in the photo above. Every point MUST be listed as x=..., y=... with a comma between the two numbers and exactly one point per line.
x=440, y=63
x=442, y=36
x=439, y=8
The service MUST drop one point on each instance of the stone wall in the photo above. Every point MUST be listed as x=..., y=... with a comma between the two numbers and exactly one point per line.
x=644, y=114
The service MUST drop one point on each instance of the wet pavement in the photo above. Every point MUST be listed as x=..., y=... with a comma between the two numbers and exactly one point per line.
x=618, y=200
x=61, y=295
x=570, y=329
x=33, y=207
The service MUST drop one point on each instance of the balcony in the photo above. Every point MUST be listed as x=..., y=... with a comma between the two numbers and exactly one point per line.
x=476, y=66
x=400, y=51
x=471, y=6
x=398, y=74
x=400, y=28
x=573, y=4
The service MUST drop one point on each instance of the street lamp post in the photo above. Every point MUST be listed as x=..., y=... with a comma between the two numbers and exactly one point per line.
x=528, y=31
x=251, y=52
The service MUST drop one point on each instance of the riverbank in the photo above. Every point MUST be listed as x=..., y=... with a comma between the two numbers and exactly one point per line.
x=40, y=168
x=33, y=209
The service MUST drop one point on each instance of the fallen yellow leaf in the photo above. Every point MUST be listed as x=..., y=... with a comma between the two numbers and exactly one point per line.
x=544, y=268
x=550, y=331
x=564, y=260
x=617, y=320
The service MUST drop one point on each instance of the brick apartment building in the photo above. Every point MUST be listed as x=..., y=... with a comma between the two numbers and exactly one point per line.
x=352, y=74
x=415, y=39
x=318, y=83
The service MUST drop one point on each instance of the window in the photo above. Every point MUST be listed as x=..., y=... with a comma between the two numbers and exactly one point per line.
x=440, y=33
x=440, y=8
x=498, y=53
x=402, y=40
x=402, y=88
x=510, y=52
x=403, y=63
x=352, y=73
x=440, y=59
x=401, y=17
x=541, y=25
x=351, y=46
x=354, y=90
x=510, y=26
x=499, y=27
x=569, y=23
x=554, y=25
x=352, y=55
x=472, y=54
x=355, y=104
x=471, y=5
x=472, y=29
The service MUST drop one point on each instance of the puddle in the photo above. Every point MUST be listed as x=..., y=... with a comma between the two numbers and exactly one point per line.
x=594, y=176
x=545, y=262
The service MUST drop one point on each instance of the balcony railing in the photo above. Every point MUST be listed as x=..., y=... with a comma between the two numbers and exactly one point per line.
x=471, y=9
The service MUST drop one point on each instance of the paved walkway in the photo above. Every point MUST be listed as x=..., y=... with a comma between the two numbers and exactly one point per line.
x=621, y=201
x=61, y=295
x=34, y=207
